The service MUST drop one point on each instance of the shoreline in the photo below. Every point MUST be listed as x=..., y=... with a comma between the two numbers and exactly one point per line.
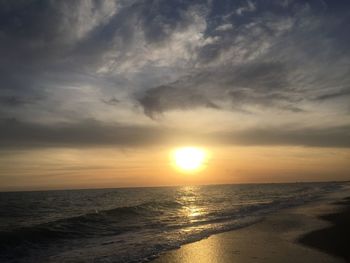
x=288, y=235
x=334, y=239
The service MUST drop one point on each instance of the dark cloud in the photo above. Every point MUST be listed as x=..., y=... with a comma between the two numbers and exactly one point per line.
x=90, y=133
x=338, y=94
x=163, y=98
x=313, y=137
x=112, y=101
x=14, y=101
x=16, y=134
x=261, y=76
x=264, y=84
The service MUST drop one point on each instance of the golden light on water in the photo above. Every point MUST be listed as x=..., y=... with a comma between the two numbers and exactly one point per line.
x=189, y=159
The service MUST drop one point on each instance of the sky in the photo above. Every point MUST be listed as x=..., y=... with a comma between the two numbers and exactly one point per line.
x=98, y=93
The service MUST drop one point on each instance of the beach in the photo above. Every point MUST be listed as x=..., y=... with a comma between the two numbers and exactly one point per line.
x=315, y=232
x=174, y=131
x=299, y=222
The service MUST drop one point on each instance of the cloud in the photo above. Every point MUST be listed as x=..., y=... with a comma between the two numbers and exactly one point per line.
x=163, y=98
x=337, y=94
x=224, y=27
x=90, y=133
x=265, y=84
x=283, y=136
x=112, y=101
x=267, y=60
x=15, y=101
x=36, y=24
x=59, y=58
x=97, y=49
x=249, y=7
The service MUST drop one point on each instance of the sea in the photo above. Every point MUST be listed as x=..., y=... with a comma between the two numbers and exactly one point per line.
x=134, y=224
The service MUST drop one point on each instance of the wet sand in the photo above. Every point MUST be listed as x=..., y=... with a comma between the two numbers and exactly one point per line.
x=316, y=232
x=334, y=239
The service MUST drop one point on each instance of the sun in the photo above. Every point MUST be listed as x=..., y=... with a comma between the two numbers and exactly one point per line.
x=189, y=158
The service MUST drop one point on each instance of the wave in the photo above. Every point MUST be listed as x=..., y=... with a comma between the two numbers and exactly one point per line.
x=125, y=219
x=161, y=225
x=100, y=223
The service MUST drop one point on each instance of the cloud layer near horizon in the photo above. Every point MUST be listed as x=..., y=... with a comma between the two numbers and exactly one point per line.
x=277, y=71
x=89, y=133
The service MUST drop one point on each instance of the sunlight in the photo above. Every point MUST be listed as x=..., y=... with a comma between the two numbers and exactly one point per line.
x=189, y=158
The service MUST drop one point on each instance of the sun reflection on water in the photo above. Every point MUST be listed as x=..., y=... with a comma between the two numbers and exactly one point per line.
x=190, y=197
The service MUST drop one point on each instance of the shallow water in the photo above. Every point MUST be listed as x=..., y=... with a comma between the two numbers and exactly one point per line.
x=136, y=224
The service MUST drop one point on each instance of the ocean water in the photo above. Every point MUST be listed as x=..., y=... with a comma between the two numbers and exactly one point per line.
x=135, y=224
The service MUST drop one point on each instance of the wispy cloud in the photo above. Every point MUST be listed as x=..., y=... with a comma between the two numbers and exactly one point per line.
x=65, y=62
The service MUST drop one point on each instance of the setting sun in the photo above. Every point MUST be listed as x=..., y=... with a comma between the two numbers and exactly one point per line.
x=189, y=158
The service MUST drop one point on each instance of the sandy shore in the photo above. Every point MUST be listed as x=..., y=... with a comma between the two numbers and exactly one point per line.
x=334, y=239
x=316, y=232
